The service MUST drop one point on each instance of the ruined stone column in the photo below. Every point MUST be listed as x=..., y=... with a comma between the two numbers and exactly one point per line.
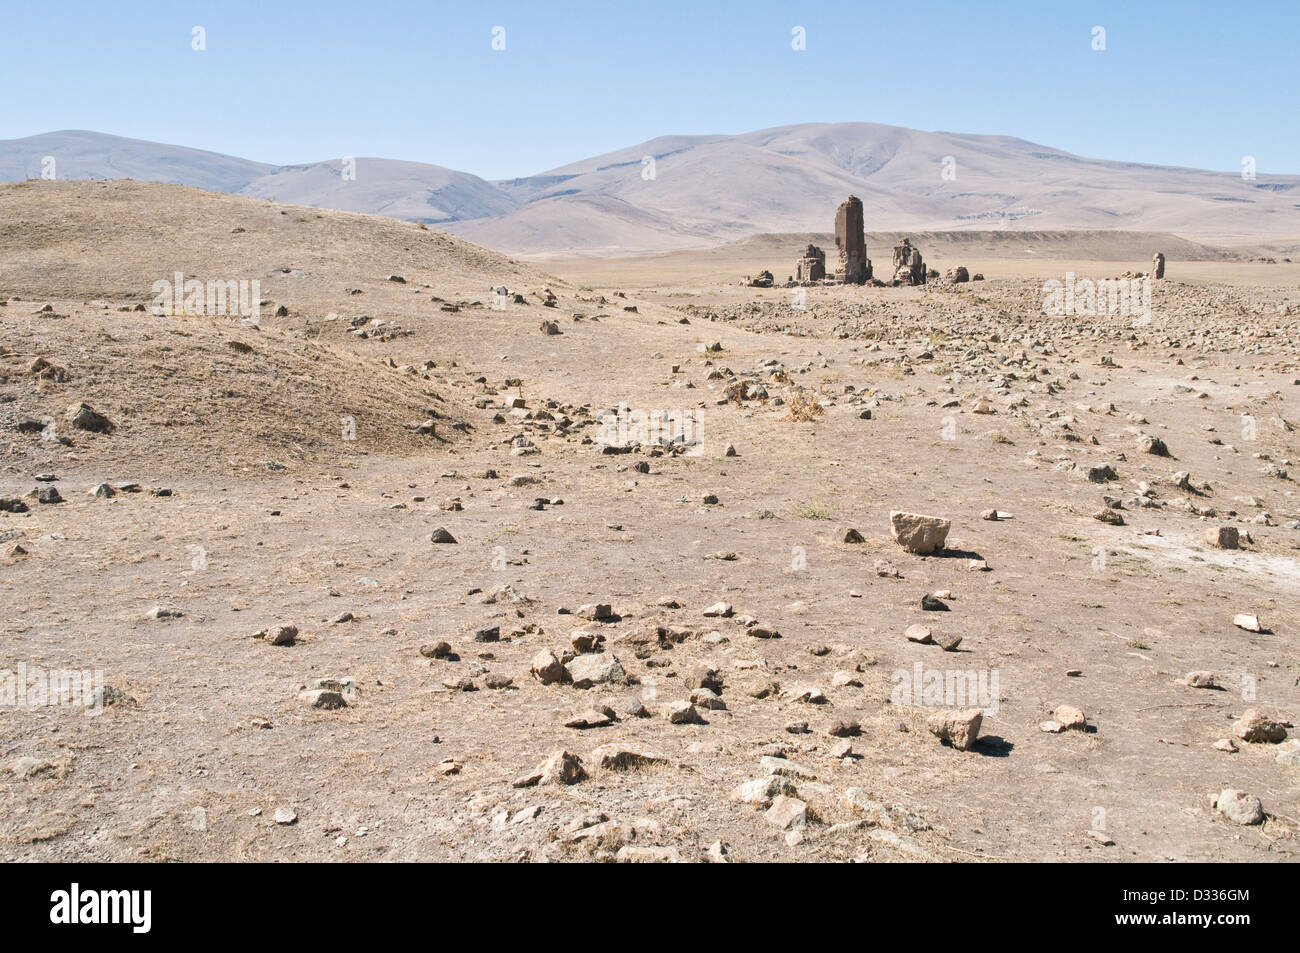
x=1158, y=265
x=812, y=266
x=851, y=239
x=909, y=266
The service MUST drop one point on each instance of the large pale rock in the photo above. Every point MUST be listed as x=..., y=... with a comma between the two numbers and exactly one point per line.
x=918, y=534
x=1068, y=716
x=959, y=727
x=600, y=669
x=787, y=812
x=761, y=791
x=1239, y=807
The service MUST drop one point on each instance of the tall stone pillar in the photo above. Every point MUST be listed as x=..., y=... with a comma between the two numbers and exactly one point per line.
x=851, y=239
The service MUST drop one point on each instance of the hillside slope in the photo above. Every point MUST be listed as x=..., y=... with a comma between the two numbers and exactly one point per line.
x=78, y=263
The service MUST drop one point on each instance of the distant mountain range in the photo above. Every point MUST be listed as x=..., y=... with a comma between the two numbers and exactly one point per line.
x=698, y=191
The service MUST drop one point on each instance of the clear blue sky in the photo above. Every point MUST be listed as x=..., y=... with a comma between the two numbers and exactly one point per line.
x=1180, y=83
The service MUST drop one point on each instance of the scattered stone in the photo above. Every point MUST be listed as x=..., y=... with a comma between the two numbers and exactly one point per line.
x=645, y=854
x=959, y=727
x=1070, y=717
x=918, y=534
x=1247, y=621
x=442, y=536
x=1153, y=445
x=278, y=634
x=787, y=812
x=1238, y=806
x=1256, y=727
x=919, y=633
x=703, y=675
x=1222, y=537
x=596, y=612
x=547, y=669
x=322, y=698
x=597, y=669
x=109, y=696
x=83, y=417
x=591, y=718
x=619, y=757
x=683, y=713
x=761, y=791
x=561, y=767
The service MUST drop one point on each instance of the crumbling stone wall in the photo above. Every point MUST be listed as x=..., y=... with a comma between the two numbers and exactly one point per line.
x=812, y=266
x=909, y=267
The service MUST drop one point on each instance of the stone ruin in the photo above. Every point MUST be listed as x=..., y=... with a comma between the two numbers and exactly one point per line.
x=1157, y=268
x=851, y=239
x=812, y=266
x=909, y=268
x=855, y=266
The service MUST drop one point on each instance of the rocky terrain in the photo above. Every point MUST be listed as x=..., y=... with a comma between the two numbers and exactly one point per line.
x=407, y=569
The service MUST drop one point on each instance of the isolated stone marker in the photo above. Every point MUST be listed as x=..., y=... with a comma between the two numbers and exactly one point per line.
x=812, y=266
x=851, y=239
x=1158, y=265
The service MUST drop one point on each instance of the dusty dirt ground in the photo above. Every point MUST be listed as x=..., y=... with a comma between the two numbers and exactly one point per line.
x=275, y=518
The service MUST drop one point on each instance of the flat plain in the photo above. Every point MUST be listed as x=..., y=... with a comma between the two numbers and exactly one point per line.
x=293, y=472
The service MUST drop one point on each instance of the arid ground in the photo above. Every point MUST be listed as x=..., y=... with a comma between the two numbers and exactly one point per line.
x=307, y=461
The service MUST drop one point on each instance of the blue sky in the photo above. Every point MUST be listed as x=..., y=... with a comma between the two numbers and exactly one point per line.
x=1192, y=83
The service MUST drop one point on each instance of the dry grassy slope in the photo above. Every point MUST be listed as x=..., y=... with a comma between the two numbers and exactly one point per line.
x=175, y=386
x=100, y=239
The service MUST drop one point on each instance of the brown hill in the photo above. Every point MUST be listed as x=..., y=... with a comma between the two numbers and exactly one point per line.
x=77, y=259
